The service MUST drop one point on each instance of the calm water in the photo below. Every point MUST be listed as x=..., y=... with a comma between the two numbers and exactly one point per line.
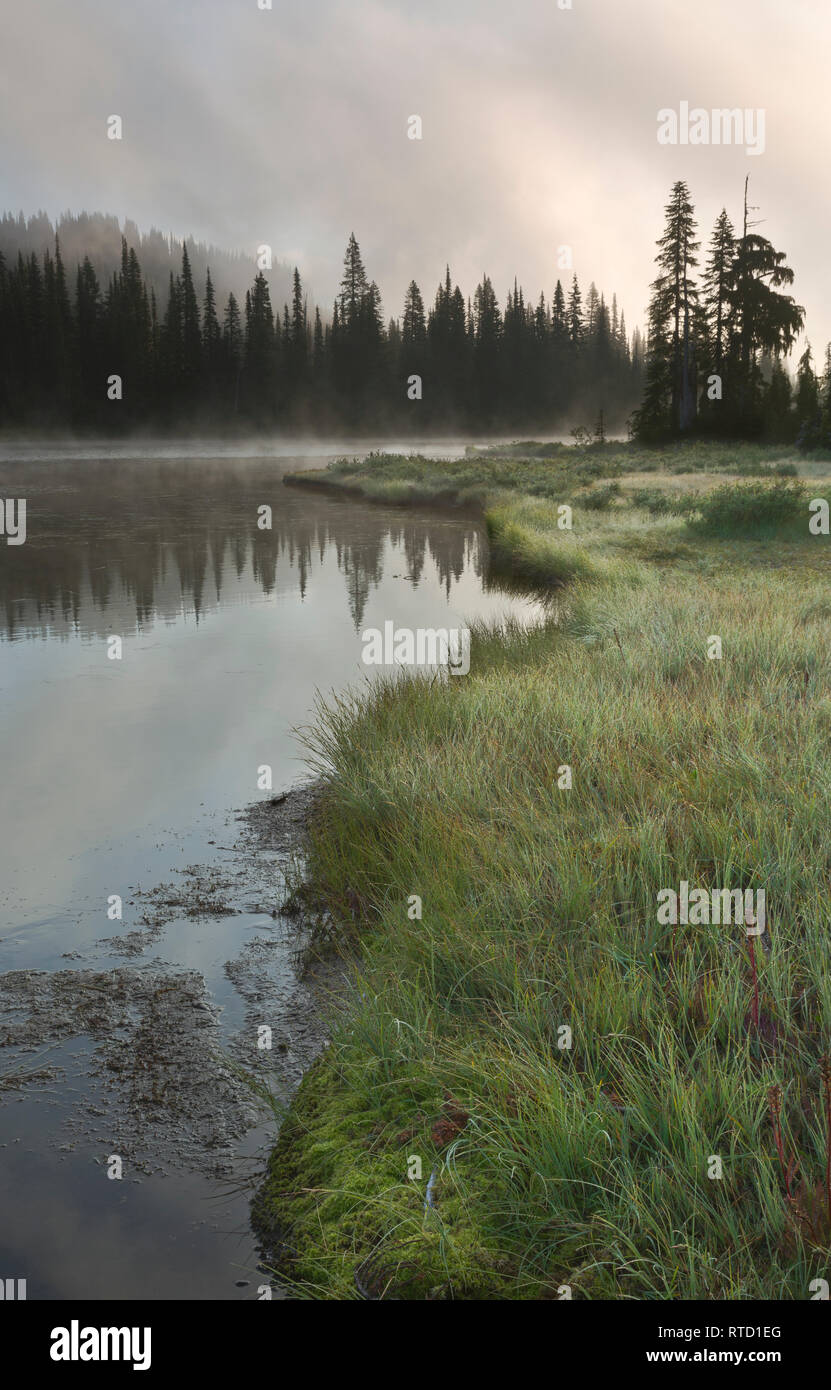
x=118, y=776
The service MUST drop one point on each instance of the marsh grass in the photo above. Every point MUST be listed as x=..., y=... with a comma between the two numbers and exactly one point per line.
x=584, y=1166
x=753, y=509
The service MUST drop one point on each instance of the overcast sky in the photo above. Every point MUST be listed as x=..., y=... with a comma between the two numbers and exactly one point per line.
x=289, y=126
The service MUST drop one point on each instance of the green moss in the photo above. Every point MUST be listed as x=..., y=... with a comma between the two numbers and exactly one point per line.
x=342, y=1214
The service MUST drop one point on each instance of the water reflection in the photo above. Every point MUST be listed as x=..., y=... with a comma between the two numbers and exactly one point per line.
x=148, y=542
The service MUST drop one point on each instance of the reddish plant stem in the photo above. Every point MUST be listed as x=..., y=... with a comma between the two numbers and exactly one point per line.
x=775, y=1103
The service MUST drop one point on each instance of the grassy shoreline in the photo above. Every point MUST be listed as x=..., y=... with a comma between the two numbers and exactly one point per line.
x=586, y=1165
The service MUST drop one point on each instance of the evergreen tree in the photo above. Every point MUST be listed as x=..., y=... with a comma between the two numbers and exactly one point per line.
x=765, y=320
x=232, y=350
x=590, y=317
x=211, y=334
x=718, y=277
x=172, y=349
x=191, y=334
x=807, y=404
x=353, y=288
x=669, y=402
x=413, y=323
x=778, y=422
x=259, y=372
x=296, y=350
x=559, y=323
x=487, y=322
x=412, y=358
x=90, y=353
x=575, y=316
x=318, y=348
x=826, y=397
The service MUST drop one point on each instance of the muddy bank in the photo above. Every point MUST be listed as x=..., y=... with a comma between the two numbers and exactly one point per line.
x=155, y=1072
x=163, y=1093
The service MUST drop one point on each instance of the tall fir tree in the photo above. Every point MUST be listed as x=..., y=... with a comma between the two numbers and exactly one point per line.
x=669, y=404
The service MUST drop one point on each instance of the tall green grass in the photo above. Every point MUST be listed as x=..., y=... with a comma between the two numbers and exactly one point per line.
x=753, y=509
x=583, y=1166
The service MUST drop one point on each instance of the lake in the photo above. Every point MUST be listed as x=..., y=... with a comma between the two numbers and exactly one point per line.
x=132, y=1037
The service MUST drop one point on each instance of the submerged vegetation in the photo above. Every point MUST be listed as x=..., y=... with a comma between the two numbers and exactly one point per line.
x=535, y=1089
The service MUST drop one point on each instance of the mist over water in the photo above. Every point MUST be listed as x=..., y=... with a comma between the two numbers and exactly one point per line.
x=293, y=453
